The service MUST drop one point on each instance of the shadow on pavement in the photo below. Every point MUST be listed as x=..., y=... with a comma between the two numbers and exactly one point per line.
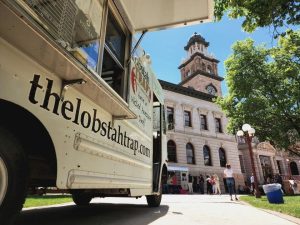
x=94, y=214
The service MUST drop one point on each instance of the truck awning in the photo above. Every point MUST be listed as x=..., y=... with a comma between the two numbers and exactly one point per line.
x=160, y=14
x=178, y=168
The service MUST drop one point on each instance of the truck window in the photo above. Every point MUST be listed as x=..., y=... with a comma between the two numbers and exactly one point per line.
x=78, y=26
x=113, y=71
x=115, y=38
x=75, y=25
x=156, y=117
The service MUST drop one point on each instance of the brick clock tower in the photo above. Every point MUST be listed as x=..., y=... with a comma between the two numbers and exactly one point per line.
x=199, y=70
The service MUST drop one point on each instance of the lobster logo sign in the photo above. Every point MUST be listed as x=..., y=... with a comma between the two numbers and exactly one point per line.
x=141, y=93
x=139, y=78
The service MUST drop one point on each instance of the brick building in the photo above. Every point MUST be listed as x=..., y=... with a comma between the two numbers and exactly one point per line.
x=197, y=137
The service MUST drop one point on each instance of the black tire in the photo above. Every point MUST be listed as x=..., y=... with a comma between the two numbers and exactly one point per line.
x=81, y=198
x=154, y=200
x=13, y=176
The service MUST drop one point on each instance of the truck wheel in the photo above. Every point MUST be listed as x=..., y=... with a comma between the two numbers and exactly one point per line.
x=13, y=176
x=154, y=200
x=81, y=198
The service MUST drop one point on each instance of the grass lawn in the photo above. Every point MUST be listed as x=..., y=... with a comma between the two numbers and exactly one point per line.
x=33, y=201
x=291, y=204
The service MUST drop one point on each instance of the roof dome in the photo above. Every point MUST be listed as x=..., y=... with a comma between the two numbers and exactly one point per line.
x=196, y=38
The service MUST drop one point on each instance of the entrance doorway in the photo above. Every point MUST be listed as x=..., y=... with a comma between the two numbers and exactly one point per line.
x=265, y=163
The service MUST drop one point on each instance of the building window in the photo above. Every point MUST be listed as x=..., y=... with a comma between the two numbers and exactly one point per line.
x=171, y=146
x=209, y=70
x=242, y=164
x=207, y=156
x=218, y=125
x=222, y=157
x=203, y=122
x=187, y=119
x=279, y=166
x=170, y=115
x=190, y=157
x=265, y=162
x=189, y=72
x=294, y=168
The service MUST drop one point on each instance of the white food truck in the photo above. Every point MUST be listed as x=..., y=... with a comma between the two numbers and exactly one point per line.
x=80, y=108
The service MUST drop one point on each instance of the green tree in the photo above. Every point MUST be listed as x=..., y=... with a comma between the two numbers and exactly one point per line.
x=260, y=13
x=264, y=90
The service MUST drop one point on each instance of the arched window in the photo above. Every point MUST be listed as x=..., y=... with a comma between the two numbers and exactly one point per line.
x=190, y=156
x=294, y=168
x=207, y=156
x=209, y=70
x=222, y=157
x=171, y=146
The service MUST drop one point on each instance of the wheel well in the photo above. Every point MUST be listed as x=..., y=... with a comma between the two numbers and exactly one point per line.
x=35, y=140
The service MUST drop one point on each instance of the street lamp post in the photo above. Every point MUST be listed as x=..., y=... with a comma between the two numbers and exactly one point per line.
x=248, y=132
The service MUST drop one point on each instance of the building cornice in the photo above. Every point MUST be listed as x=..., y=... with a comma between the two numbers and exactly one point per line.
x=202, y=73
x=186, y=91
x=197, y=54
x=228, y=138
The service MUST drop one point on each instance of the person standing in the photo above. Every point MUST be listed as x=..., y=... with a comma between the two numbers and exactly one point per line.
x=213, y=184
x=201, y=184
x=252, y=183
x=169, y=186
x=175, y=184
x=195, y=184
x=217, y=185
x=208, y=185
x=190, y=184
x=228, y=174
x=278, y=179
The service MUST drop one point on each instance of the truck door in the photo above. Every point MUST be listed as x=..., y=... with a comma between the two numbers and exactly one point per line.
x=157, y=141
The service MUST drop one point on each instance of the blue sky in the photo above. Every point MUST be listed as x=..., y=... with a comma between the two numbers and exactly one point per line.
x=166, y=46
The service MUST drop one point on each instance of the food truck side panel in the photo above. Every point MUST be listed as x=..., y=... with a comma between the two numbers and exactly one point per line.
x=92, y=150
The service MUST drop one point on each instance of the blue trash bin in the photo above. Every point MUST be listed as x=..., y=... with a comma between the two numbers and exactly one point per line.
x=274, y=193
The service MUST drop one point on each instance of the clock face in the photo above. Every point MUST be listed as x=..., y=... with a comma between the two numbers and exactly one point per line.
x=211, y=90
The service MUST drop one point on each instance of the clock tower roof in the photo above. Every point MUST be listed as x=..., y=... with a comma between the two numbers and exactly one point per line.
x=200, y=69
x=196, y=38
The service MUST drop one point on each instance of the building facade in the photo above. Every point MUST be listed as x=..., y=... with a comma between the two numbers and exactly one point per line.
x=268, y=161
x=197, y=137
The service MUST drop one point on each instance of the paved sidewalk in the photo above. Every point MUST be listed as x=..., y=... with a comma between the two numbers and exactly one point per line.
x=174, y=210
x=215, y=209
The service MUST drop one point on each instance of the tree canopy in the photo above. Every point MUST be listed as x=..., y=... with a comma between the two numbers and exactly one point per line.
x=264, y=90
x=260, y=13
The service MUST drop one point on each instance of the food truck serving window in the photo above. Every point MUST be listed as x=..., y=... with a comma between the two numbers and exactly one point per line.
x=115, y=38
x=113, y=71
x=75, y=24
x=78, y=25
